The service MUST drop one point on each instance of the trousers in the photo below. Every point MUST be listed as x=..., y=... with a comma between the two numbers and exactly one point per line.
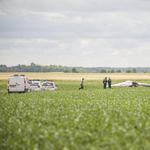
x=81, y=87
x=104, y=85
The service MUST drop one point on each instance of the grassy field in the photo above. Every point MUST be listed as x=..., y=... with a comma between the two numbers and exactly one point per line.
x=78, y=76
x=72, y=119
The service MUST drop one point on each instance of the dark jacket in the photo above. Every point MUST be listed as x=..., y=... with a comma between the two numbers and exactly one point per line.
x=105, y=81
x=109, y=81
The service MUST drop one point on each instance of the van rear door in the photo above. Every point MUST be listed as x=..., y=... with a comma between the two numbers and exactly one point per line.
x=20, y=84
x=12, y=84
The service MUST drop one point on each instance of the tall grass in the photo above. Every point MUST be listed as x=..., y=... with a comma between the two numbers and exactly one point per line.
x=71, y=119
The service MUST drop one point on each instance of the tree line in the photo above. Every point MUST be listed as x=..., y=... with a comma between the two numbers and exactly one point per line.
x=121, y=70
x=38, y=68
x=118, y=71
x=58, y=68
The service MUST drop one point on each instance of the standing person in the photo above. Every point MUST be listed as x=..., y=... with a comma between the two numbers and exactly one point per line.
x=81, y=84
x=105, y=82
x=109, y=83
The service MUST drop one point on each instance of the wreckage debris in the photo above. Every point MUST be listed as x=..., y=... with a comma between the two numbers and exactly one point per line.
x=130, y=84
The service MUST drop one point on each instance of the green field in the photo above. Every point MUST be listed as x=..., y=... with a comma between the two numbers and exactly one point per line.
x=72, y=119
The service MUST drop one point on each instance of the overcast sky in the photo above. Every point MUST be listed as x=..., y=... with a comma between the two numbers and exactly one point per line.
x=88, y=33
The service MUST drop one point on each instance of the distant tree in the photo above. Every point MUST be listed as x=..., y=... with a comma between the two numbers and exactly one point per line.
x=16, y=70
x=37, y=69
x=33, y=64
x=133, y=70
x=66, y=71
x=112, y=71
x=74, y=70
x=18, y=67
x=128, y=71
x=3, y=68
x=118, y=71
x=103, y=71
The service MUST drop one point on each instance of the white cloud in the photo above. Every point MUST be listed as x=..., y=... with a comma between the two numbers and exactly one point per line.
x=69, y=52
x=78, y=33
x=116, y=52
x=87, y=52
x=84, y=43
x=2, y=13
x=75, y=5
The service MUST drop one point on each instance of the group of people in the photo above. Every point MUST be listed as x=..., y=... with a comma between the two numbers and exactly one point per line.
x=104, y=82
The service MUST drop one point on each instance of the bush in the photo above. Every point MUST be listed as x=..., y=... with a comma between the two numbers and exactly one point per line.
x=74, y=70
x=133, y=70
x=103, y=71
x=128, y=71
x=118, y=71
x=112, y=71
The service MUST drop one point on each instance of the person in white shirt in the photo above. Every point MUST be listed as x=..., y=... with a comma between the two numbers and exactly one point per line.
x=81, y=84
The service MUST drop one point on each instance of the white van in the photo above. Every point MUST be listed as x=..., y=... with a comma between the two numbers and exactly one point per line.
x=18, y=83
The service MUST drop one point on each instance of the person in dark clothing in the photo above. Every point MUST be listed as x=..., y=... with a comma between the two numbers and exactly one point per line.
x=105, y=82
x=109, y=83
x=81, y=84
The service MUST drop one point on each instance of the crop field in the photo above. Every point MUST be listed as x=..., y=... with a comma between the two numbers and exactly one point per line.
x=77, y=76
x=70, y=119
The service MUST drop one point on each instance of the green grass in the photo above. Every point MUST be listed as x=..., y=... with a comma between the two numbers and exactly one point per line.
x=72, y=119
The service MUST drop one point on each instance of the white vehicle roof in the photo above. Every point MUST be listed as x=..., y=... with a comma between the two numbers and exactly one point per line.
x=36, y=82
x=48, y=82
x=19, y=75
